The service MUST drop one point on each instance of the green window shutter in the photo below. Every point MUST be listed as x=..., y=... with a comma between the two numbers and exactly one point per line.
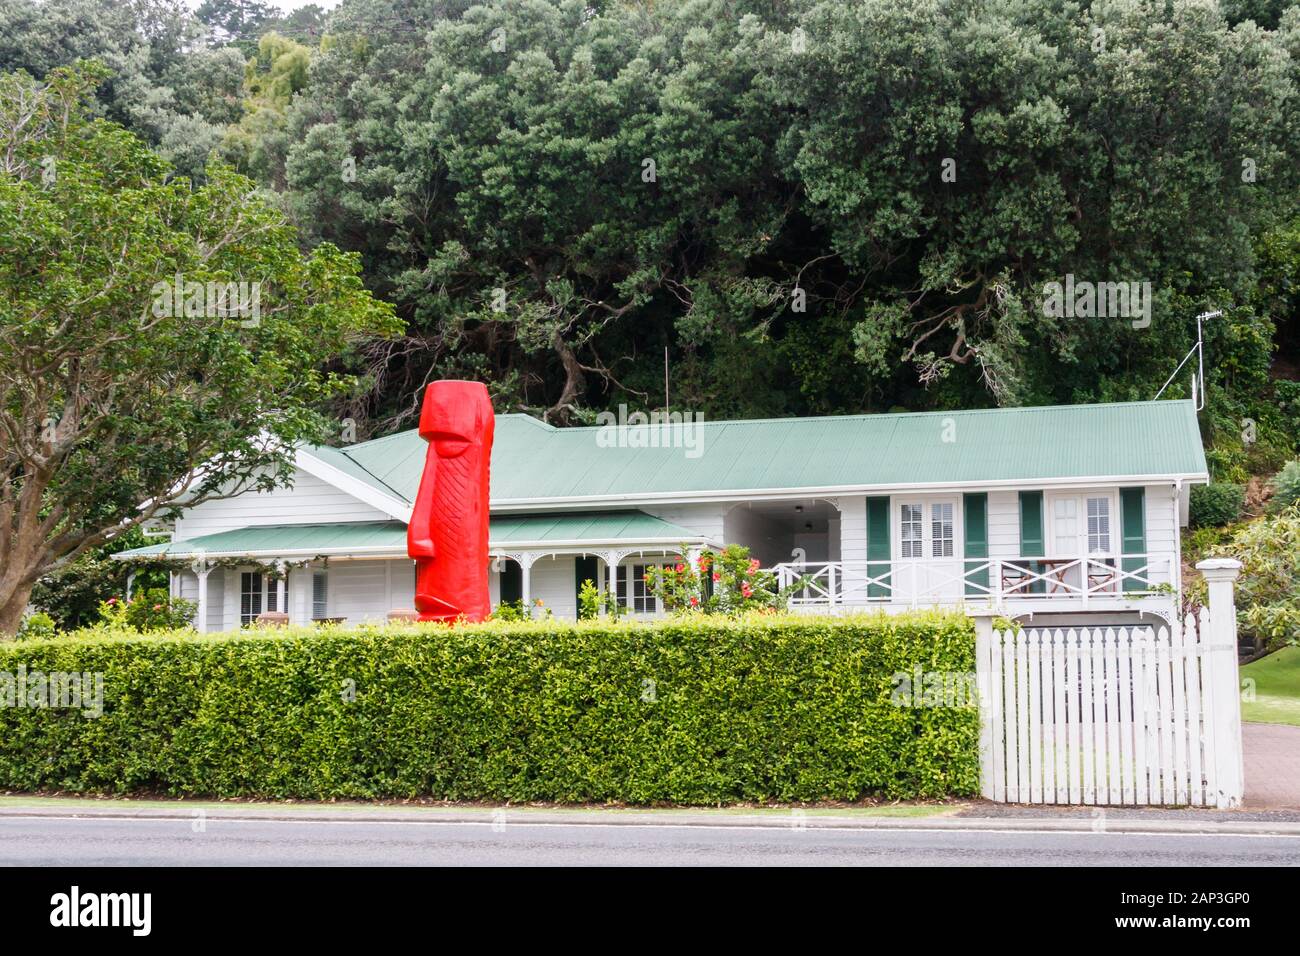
x=1133, y=533
x=975, y=512
x=1031, y=533
x=512, y=582
x=878, y=545
x=585, y=568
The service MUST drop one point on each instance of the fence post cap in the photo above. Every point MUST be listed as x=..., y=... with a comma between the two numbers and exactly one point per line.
x=1219, y=569
x=982, y=617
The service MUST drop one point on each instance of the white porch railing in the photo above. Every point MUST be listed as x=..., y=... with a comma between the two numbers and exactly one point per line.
x=1076, y=582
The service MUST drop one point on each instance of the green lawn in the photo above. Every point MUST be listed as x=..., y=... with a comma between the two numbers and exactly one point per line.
x=1277, y=688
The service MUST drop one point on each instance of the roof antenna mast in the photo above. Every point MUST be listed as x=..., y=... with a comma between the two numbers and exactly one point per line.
x=1198, y=377
x=667, y=407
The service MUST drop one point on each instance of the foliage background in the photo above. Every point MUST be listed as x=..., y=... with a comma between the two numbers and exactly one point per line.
x=798, y=146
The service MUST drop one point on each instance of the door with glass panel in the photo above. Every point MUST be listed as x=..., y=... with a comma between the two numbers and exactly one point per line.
x=1082, y=543
x=929, y=552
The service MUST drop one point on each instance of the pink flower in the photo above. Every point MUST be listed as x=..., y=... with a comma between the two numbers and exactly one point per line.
x=716, y=577
x=680, y=567
x=746, y=590
x=157, y=607
x=753, y=565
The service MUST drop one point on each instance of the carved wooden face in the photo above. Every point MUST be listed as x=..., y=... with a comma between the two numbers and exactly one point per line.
x=455, y=416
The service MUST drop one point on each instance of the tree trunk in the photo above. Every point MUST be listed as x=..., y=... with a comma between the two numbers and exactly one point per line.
x=11, y=613
x=562, y=410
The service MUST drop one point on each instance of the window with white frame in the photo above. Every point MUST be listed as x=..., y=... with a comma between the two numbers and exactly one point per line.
x=1099, y=525
x=912, y=530
x=633, y=591
x=1082, y=524
x=941, y=532
x=258, y=593
x=251, y=593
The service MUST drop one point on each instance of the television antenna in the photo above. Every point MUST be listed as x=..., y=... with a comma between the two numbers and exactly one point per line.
x=1198, y=377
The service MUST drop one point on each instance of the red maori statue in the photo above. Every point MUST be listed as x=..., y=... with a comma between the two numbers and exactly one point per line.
x=448, y=533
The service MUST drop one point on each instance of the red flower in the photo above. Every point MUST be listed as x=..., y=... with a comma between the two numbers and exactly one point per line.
x=695, y=602
x=680, y=567
x=716, y=577
x=746, y=590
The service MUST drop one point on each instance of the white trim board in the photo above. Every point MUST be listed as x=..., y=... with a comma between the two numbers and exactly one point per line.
x=355, y=487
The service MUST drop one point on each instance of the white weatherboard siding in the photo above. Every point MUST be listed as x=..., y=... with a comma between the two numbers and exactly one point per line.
x=1004, y=524
x=1162, y=518
x=553, y=584
x=704, y=519
x=309, y=501
x=216, y=585
x=853, y=528
x=360, y=590
x=1162, y=527
x=188, y=588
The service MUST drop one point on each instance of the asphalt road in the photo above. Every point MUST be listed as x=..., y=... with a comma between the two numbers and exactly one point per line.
x=80, y=841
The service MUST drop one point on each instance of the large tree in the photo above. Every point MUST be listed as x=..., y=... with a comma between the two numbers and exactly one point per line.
x=119, y=397
x=853, y=205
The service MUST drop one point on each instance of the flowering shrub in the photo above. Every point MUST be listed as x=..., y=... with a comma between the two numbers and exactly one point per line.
x=151, y=610
x=718, y=582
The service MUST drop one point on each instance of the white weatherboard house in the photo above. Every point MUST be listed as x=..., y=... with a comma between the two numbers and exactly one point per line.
x=1063, y=514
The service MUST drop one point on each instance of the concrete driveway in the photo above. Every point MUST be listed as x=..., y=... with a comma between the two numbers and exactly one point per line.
x=1272, y=757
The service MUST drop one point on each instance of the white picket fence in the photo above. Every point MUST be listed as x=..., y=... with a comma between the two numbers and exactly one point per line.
x=1114, y=716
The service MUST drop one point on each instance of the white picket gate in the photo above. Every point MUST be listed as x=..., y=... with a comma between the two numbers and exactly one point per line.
x=1114, y=716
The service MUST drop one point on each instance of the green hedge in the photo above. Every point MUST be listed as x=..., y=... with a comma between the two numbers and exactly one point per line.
x=1217, y=504
x=691, y=711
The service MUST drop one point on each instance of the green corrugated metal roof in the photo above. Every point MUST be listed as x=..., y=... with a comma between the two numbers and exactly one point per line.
x=281, y=539
x=533, y=461
x=389, y=537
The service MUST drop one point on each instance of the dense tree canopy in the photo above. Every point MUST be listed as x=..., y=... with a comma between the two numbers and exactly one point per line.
x=812, y=206
x=851, y=206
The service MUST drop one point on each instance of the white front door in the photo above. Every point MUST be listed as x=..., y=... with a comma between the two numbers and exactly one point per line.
x=1082, y=527
x=928, y=551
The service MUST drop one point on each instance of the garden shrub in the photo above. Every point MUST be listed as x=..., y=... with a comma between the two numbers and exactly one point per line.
x=36, y=625
x=1217, y=504
x=1286, y=487
x=590, y=601
x=1268, y=591
x=691, y=710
